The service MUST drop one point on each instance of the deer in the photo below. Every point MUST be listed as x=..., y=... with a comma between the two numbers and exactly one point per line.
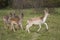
x=37, y=21
x=6, y=20
x=16, y=20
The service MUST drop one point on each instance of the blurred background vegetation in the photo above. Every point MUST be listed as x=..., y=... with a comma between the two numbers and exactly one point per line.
x=38, y=5
x=29, y=3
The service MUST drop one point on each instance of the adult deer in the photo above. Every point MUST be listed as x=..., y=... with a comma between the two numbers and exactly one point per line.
x=16, y=20
x=37, y=21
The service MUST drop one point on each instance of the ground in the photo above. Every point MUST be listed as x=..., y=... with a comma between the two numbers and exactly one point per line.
x=53, y=22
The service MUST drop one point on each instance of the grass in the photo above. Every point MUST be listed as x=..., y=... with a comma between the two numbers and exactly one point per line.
x=52, y=34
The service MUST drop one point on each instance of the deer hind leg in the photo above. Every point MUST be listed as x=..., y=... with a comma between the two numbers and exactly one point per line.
x=46, y=26
x=39, y=28
x=27, y=27
x=21, y=26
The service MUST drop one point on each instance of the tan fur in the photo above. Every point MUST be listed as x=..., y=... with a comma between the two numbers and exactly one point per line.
x=37, y=21
x=17, y=21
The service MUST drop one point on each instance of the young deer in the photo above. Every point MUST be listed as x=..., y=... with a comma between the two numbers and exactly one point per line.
x=37, y=21
x=16, y=20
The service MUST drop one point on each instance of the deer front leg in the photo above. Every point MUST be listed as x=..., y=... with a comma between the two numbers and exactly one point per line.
x=39, y=28
x=46, y=26
x=12, y=27
x=17, y=26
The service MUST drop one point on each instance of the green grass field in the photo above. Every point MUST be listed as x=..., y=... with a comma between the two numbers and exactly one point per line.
x=52, y=34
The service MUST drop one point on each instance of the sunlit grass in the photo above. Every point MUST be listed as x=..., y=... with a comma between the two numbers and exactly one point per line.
x=52, y=34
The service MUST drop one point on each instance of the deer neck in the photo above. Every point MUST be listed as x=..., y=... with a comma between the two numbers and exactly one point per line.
x=45, y=17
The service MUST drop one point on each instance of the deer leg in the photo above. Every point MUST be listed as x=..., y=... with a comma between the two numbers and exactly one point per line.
x=21, y=26
x=12, y=27
x=46, y=26
x=17, y=26
x=39, y=28
x=27, y=27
